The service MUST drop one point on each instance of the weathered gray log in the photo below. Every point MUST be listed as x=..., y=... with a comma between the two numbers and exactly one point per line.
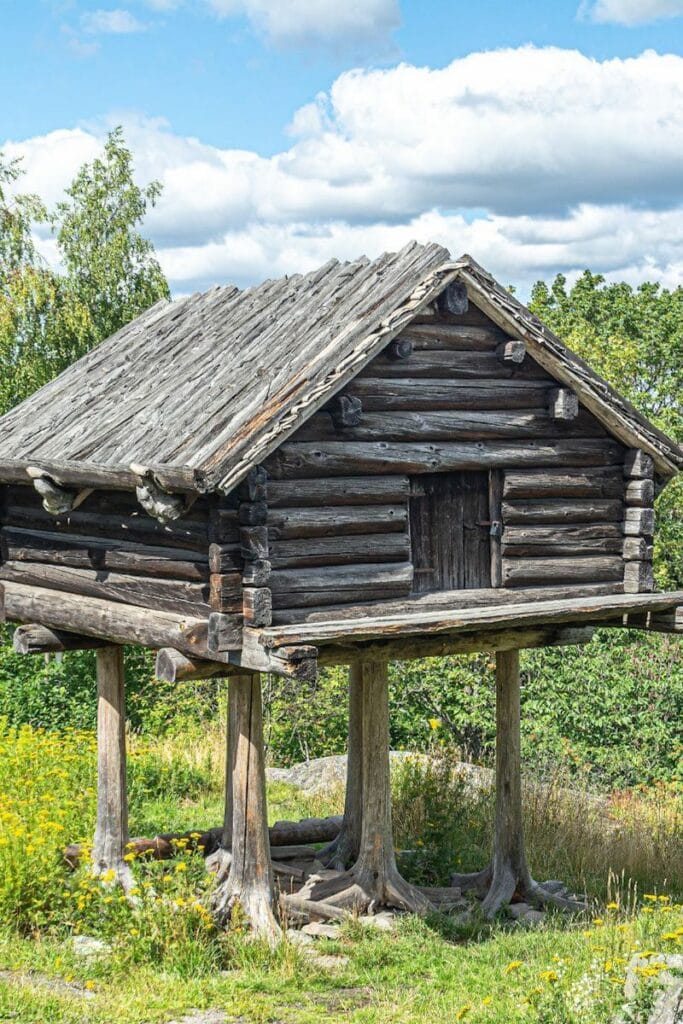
x=563, y=404
x=446, y=425
x=432, y=363
x=446, y=600
x=36, y=639
x=174, y=667
x=520, y=572
x=344, y=550
x=165, y=845
x=338, y=577
x=256, y=573
x=567, y=510
x=442, y=645
x=453, y=299
x=512, y=352
x=111, y=831
x=257, y=606
x=249, y=884
x=347, y=457
x=639, y=522
x=87, y=474
x=78, y=551
x=225, y=558
x=118, y=623
x=640, y=492
x=455, y=337
x=638, y=577
x=252, y=513
x=254, y=487
x=637, y=549
x=567, y=535
x=468, y=617
x=254, y=543
x=225, y=593
x=138, y=529
x=292, y=661
x=597, y=482
x=638, y=464
x=656, y=622
x=355, y=490
x=293, y=523
x=145, y=591
x=532, y=547
x=224, y=633
x=315, y=909
x=423, y=394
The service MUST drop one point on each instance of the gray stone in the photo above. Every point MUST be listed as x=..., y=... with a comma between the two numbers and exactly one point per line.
x=321, y=930
x=327, y=961
x=668, y=1008
x=554, y=886
x=517, y=910
x=299, y=938
x=383, y=921
x=87, y=945
x=672, y=960
x=42, y=982
x=533, y=917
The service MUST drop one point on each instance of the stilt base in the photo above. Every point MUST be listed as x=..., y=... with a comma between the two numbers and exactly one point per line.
x=496, y=888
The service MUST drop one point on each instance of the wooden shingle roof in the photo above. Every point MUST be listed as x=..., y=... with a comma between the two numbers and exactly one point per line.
x=201, y=389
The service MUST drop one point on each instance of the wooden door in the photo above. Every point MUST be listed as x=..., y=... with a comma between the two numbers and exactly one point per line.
x=449, y=531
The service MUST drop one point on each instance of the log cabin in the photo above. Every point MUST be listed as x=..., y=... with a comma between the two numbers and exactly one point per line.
x=376, y=460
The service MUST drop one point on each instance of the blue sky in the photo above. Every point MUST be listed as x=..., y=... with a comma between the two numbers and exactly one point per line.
x=543, y=136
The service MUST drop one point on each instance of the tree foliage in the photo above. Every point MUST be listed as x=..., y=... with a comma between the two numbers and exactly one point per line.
x=49, y=319
x=633, y=337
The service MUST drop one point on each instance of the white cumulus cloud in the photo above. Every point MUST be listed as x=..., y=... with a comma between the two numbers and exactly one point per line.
x=631, y=12
x=534, y=160
x=291, y=23
x=111, y=22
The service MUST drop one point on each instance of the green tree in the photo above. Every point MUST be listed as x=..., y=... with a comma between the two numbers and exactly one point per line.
x=112, y=269
x=633, y=337
x=48, y=319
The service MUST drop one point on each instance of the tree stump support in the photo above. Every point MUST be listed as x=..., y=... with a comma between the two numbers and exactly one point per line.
x=374, y=880
x=249, y=882
x=344, y=849
x=508, y=872
x=111, y=832
x=220, y=862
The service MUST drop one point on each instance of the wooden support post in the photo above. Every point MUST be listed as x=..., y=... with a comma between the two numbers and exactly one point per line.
x=220, y=861
x=111, y=832
x=508, y=872
x=344, y=849
x=374, y=880
x=249, y=882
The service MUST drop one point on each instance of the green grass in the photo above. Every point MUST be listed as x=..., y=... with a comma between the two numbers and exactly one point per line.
x=167, y=958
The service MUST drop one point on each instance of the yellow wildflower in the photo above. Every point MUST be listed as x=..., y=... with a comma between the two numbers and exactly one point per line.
x=513, y=966
x=434, y=723
x=181, y=866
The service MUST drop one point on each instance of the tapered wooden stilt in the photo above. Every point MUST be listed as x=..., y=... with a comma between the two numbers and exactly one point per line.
x=508, y=872
x=344, y=850
x=249, y=883
x=111, y=832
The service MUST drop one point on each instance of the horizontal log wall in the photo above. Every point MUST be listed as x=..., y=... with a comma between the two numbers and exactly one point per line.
x=110, y=549
x=450, y=395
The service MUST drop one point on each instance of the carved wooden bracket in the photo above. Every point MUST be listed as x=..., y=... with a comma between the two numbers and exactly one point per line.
x=157, y=502
x=57, y=500
x=453, y=299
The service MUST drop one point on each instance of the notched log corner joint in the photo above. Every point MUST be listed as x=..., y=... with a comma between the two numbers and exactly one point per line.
x=157, y=502
x=57, y=500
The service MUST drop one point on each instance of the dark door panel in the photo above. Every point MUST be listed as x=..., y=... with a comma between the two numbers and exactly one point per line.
x=449, y=531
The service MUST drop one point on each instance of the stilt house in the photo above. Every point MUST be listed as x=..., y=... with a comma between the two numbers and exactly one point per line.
x=379, y=459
